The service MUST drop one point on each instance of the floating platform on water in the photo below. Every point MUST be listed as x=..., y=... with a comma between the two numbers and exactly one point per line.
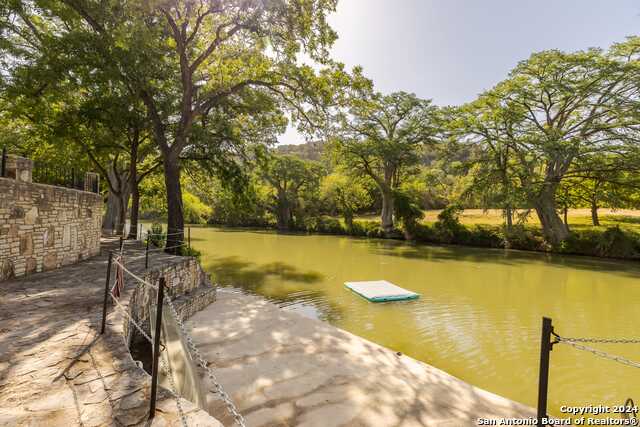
x=380, y=291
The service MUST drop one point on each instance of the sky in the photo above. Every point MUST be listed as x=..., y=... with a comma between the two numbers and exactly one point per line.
x=452, y=50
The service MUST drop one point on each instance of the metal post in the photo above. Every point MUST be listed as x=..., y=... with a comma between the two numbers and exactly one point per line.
x=121, y=243
x=189, y=237
x=156, y=348
x=73, y=178
x=106, y=293
x=3, y=168
x=543, y=381
x=146, y=252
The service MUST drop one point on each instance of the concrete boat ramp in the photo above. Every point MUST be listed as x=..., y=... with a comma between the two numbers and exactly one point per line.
x=282, y=369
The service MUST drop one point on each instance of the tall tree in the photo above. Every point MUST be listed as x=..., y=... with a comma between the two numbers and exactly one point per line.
x=288, y=176
x=562, y=108
x=381, y=136
x=184, y=58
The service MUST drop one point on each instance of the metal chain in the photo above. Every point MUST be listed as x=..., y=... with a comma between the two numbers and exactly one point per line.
x=174, y=390
x=599, y=353
x=605, y=340
x=165, y=368
x=218, y=387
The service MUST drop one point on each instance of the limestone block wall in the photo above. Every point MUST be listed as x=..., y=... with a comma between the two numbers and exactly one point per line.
x=43, y=227
x=186, y=283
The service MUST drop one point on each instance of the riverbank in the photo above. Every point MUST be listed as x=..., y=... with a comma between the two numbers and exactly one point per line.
x=285, y=369
x=601, y=242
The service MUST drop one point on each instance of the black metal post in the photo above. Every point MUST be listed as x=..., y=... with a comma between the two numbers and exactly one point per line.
x=146, y=252
x=189, y=237
x=156, y=348
x=73, y=178
x=543, y=380
x=106, y=293
x=3, y=168
x=121, y=242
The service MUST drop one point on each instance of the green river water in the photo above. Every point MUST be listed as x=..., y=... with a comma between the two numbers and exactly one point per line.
x=479, y=315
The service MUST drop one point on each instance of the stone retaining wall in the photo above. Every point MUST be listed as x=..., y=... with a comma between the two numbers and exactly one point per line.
x=190, y=289
x=43, y=227
x=186, y=284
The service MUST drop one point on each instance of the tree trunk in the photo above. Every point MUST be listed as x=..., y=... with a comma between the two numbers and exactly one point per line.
x=135, y=194
x=508, y=213
x=135, y=208
x=554, y=230
x=283, y=213
x=122, y=212
x=175, y=210
x=594, y=214
x=110, y=218
x=387, y=210
x=348, y=219
x=117, y=200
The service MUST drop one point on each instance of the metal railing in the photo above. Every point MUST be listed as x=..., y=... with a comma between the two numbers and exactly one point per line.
x=53, y=174
x=114, y=289
x=550, y=338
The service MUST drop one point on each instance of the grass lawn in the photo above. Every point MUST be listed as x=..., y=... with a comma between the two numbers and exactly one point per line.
x=578, y=218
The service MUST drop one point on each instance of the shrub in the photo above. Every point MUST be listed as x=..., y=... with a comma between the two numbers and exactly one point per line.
x=187, y=251
x=448, y=228
x=330, y=225
x=158, y=237
x=613, y=242
x=483, y=236
x=521, y=237
x=408, y=212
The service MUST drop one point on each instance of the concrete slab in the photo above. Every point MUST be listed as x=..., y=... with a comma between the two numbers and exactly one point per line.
x=282, y=369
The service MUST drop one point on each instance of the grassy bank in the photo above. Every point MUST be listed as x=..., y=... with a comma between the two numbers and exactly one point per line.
x=617, y=237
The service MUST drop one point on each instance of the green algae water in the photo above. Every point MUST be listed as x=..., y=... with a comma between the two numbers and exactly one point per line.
x=479, y=314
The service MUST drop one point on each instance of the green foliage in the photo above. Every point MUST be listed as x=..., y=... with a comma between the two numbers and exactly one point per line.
x=195, y=211
x=612, y=243
x=191, y=252
x=158, y=237
x=344, y=195
x=408, y=211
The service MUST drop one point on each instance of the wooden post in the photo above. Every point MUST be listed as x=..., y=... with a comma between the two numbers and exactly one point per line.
x=156, y=348
x=543, y=380
x=106, y=293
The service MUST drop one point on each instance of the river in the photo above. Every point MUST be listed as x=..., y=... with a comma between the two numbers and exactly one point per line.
x=479, y=314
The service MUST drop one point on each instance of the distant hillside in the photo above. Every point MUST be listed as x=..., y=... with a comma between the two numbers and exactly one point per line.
x=308, y=150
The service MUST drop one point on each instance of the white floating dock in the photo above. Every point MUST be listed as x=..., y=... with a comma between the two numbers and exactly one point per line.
x=380, y=290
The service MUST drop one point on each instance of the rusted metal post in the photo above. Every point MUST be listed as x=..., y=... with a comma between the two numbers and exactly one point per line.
x=543, y=380
x=106, y=293
x=156, y=348
x=146, y=252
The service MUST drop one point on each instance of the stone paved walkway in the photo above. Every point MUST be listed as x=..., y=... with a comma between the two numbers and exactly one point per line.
x=55, y=368
x=283, y=369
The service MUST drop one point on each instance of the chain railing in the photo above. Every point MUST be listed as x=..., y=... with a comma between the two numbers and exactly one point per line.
x=550, y=338
x=114, y=289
